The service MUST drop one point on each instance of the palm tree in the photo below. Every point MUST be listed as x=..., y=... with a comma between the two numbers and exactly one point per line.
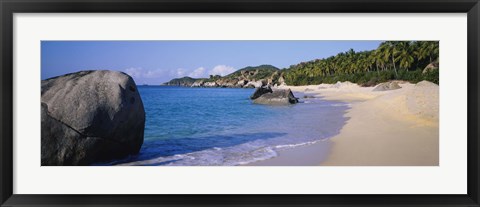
x=370, y=60
x=404, y=55
x=432, y=50
x=389, y=49
x=379, y=60
x=421, y=51
x=387, y=56
x=351, y=67
x=416, y=49
x=375, y=60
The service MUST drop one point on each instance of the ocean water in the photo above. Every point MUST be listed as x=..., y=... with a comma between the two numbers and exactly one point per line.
x=221, y=126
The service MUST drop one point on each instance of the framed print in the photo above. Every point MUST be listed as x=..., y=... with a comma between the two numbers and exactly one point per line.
x=239, y=103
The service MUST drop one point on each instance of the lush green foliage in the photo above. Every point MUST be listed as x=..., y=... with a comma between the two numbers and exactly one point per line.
x=392, y=60
x=371, y=78
x=250, y=72
x=181, y=81
x=263, y=71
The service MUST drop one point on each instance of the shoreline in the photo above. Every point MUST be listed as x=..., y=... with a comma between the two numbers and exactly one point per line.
x=385, y=128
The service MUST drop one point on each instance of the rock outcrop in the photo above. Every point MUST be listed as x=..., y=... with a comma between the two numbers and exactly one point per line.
x=431, y=67
x=254, y=84
x=198, y=83
x=210, y=84
x=241, y=83
x=90, y=116
x=260, y=91
x=265, y=95
x=249, y=77
x=392, y=85
x=281, y=81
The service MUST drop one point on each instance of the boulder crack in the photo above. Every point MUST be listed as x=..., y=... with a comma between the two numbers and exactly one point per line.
x=80, y=133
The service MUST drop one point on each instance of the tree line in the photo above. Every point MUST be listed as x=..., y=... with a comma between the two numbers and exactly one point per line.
x=392, y=60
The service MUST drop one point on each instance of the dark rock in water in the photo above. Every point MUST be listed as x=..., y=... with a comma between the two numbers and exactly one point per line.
x=387, y=86
x=260, y=91
x=90, y=116
x=265, y=95
x=308, y=96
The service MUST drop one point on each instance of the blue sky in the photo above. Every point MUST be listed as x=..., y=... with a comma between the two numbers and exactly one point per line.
x=155, y=62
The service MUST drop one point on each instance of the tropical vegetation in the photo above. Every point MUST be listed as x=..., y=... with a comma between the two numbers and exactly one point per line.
x=411, y=61
x=392, y=60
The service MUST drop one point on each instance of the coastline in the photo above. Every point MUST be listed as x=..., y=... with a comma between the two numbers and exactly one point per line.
x=385, y=128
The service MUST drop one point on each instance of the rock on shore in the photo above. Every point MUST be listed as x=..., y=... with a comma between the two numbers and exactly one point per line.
x=90, y=116
x=392, y=85
x=248, y=77
x=265, y=95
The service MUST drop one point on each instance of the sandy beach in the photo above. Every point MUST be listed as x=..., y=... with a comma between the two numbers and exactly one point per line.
x=384, y=128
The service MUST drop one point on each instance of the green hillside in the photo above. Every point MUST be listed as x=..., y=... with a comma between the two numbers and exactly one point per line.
x=185, y=81
x=263, y=71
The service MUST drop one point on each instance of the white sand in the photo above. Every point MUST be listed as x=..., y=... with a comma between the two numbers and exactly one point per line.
x=386, y=128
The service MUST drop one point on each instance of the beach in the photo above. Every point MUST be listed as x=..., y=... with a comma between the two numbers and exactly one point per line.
x=384, y=128
x=355, y=103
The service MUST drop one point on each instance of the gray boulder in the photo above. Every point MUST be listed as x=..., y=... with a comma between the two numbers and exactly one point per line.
x=198, y=83
x=90, y=116
x=431, y=67
x=260, y=91
x=281, y=81
x=254, y=84
x=241, y=83
x=387, y=86
x=265, y=95
x=210, y=84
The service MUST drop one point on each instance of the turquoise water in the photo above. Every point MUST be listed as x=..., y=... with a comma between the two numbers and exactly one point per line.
x=221, y=126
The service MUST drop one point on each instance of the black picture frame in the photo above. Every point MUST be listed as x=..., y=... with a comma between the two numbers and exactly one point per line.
x=10, y=7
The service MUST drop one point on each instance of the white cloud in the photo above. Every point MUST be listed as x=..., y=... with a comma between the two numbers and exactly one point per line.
x=198, y=73
x=134, y=72
x=142, y=73
x=154, y=74
x=158, y=76
x=142, y=76
x=180, y=72
x=202, y=72
x=221, y=70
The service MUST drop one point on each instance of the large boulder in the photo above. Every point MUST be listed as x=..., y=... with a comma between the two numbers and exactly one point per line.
x=90, y=116
x=345, y=84
x=393, y=85
x=210, y=84
x=260, y=91
x=431, y=67
x=231, y=83
x=281, y=81
x=265, y=95
x=198, y=83
x=241, y=83
x=221, y=82
x=254, y=84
